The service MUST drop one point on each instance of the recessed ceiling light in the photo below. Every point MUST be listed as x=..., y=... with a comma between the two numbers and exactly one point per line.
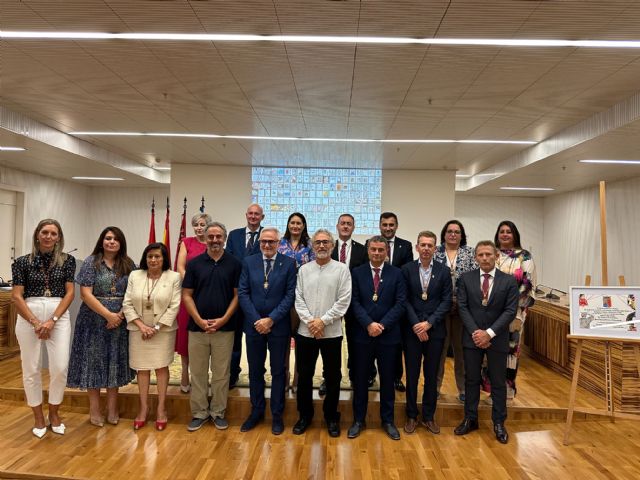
x=12, y=149
x=164, y=169
x=619, y=162
x=98, y=178
x=541, y=189
x=298, y=139
x=218, y=37
x=462, y=175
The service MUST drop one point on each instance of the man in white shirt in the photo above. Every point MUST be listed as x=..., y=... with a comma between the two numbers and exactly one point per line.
x=323, y=295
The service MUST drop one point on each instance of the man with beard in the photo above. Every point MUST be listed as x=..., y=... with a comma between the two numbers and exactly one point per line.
x=210, y=295
x=323, y=294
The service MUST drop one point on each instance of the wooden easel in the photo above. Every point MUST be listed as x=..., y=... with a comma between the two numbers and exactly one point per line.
x=610, y=411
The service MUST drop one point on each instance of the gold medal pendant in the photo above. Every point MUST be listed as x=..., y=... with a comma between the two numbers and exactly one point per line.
x=375, y=297
x=113, y=290
x=148, y=305
x=47, y=292
x=424, y=296
x=484, y=302
x=266, y=285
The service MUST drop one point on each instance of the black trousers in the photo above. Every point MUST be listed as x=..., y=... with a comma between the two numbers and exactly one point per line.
x=363, y=356
x=307, y=351
x=497, y=363
x=426, y=355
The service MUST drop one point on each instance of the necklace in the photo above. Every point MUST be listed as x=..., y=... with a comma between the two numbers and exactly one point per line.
x=149, y=304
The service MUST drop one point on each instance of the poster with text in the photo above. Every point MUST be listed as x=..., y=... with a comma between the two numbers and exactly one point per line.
x=608, y=312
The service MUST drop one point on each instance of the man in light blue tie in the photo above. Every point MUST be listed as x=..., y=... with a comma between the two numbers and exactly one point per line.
x=243, y=242
x=266, y=294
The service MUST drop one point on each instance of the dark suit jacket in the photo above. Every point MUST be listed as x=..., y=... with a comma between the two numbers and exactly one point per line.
x=358, y=254
x=402, y=252
x=388, y=310
x=439, y=298
x=276, y=301
x=497, y=315
x=237, y=241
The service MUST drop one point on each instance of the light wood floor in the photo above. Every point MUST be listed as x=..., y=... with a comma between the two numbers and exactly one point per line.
x=599, y=449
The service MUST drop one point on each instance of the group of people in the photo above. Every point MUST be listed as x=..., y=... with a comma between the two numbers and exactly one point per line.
x=399, y=315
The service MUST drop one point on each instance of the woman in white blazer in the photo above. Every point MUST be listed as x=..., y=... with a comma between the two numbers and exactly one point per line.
x=150, y=306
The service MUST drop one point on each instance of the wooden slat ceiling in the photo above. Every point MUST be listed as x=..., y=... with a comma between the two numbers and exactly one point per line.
x=326, y=90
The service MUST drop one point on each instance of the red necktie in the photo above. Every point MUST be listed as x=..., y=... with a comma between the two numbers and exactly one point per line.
x=376, y=279
x=485, y=286
x=343, y=253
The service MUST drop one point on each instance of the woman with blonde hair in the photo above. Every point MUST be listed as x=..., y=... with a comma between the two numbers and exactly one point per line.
x=190, y=247
x=42, y=292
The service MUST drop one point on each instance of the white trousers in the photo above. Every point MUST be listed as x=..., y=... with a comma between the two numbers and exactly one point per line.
x=57, y=346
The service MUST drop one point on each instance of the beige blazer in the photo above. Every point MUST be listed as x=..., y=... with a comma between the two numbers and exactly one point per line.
x=166, y=298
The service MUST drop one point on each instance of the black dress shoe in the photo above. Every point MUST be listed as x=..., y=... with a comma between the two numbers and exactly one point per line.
x=391, y=430
x=251, y=422
x=355, y=429
x=277, y=426
x=399, y=386
x=467, y=425
x=333, y=428
x=322, y=391
x=501, y=432
x=301, y=425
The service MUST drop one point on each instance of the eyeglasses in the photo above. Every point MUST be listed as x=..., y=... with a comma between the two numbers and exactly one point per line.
x=268, y=242
x=322, y=242
x=453, y=232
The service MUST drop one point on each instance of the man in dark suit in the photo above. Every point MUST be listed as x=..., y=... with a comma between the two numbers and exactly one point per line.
x=353, y=254
x=399, y=253
x=429, y=300
x=378, y=301
x=241, y=243
x=487, y=301
x=266, y=294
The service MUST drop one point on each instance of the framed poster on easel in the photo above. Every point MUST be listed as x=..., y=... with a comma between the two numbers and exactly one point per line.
x=608, y=315
x=604, y=312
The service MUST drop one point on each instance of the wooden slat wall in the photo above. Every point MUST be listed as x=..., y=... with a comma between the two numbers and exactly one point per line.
x=545, y=339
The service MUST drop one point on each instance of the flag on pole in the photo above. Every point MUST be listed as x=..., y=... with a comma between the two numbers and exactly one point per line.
x=202, y=205
x=152, y=226
x=165, y=235
x=183, y=232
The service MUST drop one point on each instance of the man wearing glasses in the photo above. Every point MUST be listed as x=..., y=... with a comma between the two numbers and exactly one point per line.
x=266, y=294
x=323, y=295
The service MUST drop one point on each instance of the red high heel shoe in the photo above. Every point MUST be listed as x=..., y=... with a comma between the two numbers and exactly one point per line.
x=138, y=424
x=161, y=425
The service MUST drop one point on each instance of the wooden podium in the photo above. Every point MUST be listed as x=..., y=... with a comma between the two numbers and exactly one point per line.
x=8, y=342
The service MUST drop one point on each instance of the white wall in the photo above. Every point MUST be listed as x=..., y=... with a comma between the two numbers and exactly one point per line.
x=130, y=210
x=84, y=211
x=481, y=215
x=46, y=197
x=421, y=199
x=572, y=235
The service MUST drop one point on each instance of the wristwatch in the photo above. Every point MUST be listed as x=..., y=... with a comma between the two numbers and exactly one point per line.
x=55, y=319
x=157, y=327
